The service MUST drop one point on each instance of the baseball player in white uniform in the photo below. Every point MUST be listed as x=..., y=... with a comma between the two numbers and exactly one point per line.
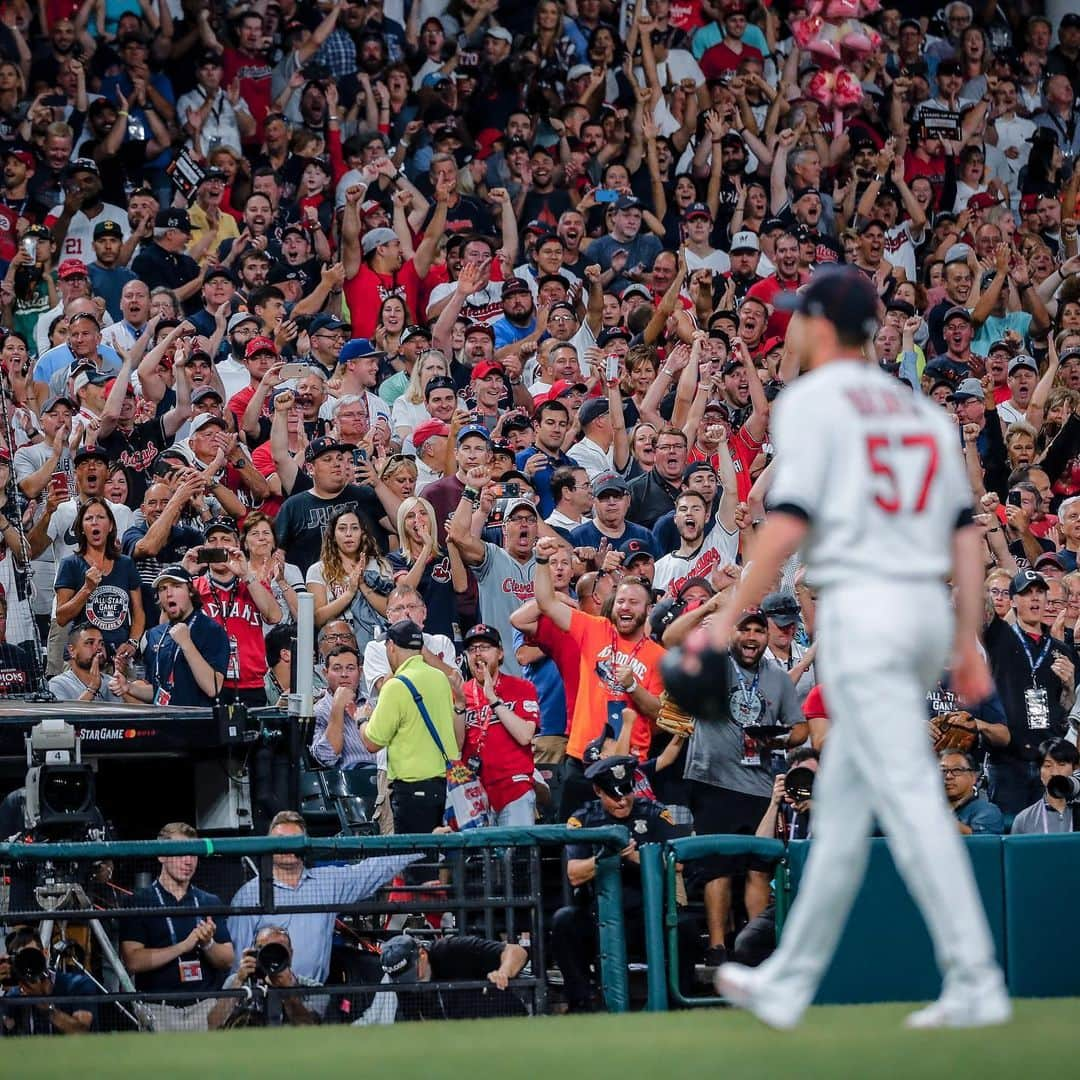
x=870, y=483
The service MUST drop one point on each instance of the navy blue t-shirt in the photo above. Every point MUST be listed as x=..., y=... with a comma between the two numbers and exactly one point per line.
x=167, y=668
x=541, y=479
x=170, y=928
x=588, y=535
x=109, y=606
x=435, y=589
x=31, y=1021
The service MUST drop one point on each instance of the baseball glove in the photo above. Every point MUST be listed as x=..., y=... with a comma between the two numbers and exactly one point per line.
x=953, y=731
x=672, y=719
x=696, y=681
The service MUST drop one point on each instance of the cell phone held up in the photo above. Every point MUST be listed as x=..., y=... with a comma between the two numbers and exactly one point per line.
x=212, y=555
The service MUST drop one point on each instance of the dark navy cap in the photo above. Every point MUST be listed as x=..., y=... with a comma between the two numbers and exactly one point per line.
x=843, y=295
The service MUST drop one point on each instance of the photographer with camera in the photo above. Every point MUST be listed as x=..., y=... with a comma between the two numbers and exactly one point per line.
x=1058, y=811
x=177, y=950
x=27, y=965
x=787, y=818
x=267, y=963
x=974, y=814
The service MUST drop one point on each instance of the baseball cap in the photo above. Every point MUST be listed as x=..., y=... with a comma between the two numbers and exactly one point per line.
x=326, y=321
x=172, y=572
x=21, y=155
x=221, y=524
x=697, y=467
x=614, y=775
x=594, y=750
x=500, y=33
x=981, y=200
x=843, y=295
x=82, y=164
x=609, y=482
x=1027, y=579
x=259, y=344
x=697, y=209
x=130, y=392
x=58, y=399
x=375, y=237
x=222, y=272
x=1050, y=558
x=239, y=319
x=207, y=418
x=483, y=632
x=745, y=241
x=202, y=392
x=949, y=67
x=173, y=218
x=86, y=377
x=560, y=388
x=480, y=328
x=958, y=253
x=636, y=549
x=636, y=289
x=1069, y=354
x=399, y=958
x=356, y=348
x=578, y=71
x=108, y=229
x=415, y=330
x=592, y=410
x=406, y=634
x=470, y=430
x=968, y=390
x=213, y=173
x=90, y=453
x=517, y=504
x=514, y=285
x=802, y=192
x=325, y=445
x=1023, y=361
x=518, y=422
x=70, y=268
x=752, y=615
x=614, y=333
x=428, y=430
x=438, y=382
x=628, y=202
x=956, y=312
x=486, y=368
x=781, y=607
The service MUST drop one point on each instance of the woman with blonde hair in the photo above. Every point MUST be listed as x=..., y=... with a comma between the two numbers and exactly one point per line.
x=351, y=580
x=439, y=576
x=998, y=600
x=399, y=474
x=410, y=409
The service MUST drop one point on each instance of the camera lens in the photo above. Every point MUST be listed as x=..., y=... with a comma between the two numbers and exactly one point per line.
x=799, y=783
x=272, y=958
x=1064, y=787
x=28, y=964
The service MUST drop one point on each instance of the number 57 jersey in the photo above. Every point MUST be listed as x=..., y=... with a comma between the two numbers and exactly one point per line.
x=877, y=472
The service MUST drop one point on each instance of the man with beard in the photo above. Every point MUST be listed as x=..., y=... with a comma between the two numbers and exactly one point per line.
x=571, y=230
x=73, y=221
x=107, y=276
x=540, y=199
x=504, y=573
x=256, y=231
x=731, y=776
x=84, y=678
x=14, y=197
x=186, y=656
x=619, y=664
x=46, y=185
x=518, y=321
x=699, y=553
x=158, y=540
x=239, y=330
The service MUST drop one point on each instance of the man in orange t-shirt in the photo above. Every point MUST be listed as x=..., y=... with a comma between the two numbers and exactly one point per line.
x=620, y=663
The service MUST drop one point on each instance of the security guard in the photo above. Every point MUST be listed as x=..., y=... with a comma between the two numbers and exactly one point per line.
x=573, y=930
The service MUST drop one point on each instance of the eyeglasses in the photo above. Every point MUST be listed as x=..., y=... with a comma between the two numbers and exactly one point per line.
x=955, y=772
x=999, y=594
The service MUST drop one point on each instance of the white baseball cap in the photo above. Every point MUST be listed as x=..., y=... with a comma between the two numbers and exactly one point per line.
x=500, y=33
x=745, y=241
x=353, y=178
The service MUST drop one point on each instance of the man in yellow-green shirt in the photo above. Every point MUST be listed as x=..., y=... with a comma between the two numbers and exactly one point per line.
x=416, y=766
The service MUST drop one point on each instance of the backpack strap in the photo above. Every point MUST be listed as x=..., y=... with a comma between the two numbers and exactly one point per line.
x=424, y=714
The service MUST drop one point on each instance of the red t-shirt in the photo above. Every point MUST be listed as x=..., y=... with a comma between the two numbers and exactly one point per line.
x=743, y=451
x=933, y=170
x=366, y=292
x=766, y=291
x=564, y=652
x=814, y=705
x=263, y=460
x=506, y=767
x=255, y=74
x=8, y=241
x=233, y=608
x=238, y=404
x=720, y=58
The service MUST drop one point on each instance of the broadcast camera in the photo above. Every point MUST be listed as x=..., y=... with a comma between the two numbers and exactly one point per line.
x=59, y=787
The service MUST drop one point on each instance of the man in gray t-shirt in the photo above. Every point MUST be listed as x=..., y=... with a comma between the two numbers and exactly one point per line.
x=731, y=772
x=505, y=584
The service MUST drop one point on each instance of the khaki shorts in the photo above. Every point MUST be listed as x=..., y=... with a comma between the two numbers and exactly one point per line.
x=183, y=1017
x=549, y=749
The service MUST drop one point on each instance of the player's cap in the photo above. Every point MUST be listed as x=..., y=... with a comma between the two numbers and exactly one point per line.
x=614, y=776
x=406, y=635
x=842, y=295
x=752, y=615
x=399, y=958
x=483, y=632
x=1027, y=579
x=968, y=390
x=1023, y=361
x=174, y=572
x=609, y=482
x=781, y=607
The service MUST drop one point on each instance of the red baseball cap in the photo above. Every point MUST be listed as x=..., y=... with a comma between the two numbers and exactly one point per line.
x=1028, y=203
x=112, y=382
x=5, y=455
x=72, y=268
x=428, y=430
x=486, y=368
x=21, y=155
x=259, y=344
x=981, y=200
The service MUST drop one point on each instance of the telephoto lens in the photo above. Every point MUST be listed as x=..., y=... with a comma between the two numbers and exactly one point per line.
x=799, y=783
x=1064, y=787
x=272, y=959
x=28, y=965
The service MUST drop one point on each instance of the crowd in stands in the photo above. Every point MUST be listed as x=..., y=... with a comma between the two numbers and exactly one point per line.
x=461, y=316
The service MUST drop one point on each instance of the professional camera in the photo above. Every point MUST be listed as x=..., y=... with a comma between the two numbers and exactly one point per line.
x=59, y=787
x=272, y=959
x=799, y=783
x=1064, y=787
x=29, y=964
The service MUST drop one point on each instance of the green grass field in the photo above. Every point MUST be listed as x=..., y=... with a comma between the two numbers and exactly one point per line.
x=836, y=1042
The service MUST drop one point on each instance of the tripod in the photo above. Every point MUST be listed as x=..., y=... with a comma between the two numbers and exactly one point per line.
x=58, y=897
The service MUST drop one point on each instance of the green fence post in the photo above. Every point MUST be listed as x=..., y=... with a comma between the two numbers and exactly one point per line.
x=609, y=909
x=652, y=887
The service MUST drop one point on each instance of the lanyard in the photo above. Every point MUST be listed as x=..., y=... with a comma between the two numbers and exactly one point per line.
x=175, y=653
x=168, y=918
x=747, y=695
x=1035, y=664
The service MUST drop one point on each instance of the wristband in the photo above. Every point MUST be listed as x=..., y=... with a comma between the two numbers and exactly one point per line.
x=471, y=494
x=541, y=561
x=132, y=642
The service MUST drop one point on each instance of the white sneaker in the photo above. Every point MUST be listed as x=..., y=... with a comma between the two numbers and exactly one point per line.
x=737, y=983
x=973, y=1013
